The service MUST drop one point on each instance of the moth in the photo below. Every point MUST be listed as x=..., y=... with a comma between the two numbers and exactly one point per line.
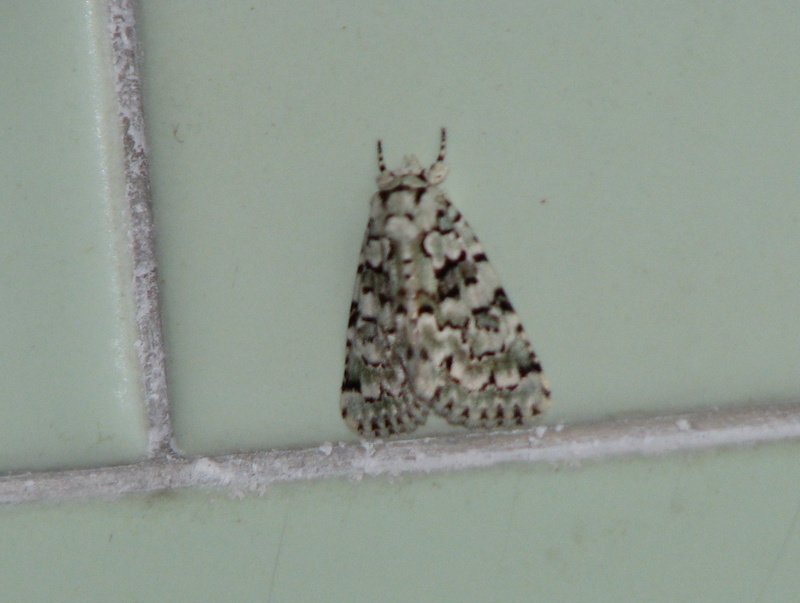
x=430, y=326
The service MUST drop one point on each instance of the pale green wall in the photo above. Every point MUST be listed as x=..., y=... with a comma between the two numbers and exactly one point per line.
x=68, y=394
x=632, y=171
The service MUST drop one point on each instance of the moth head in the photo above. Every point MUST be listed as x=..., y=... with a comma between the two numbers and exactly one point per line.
x=412, y=174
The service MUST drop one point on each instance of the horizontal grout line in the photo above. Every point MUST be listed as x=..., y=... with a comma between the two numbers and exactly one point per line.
x=579, y=442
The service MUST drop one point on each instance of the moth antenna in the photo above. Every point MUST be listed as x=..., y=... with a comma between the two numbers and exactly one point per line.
x=381, y=164
x=442, y=146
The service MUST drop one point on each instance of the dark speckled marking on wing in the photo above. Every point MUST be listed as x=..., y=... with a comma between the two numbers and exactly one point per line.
x=478, y=368
x=376, y=399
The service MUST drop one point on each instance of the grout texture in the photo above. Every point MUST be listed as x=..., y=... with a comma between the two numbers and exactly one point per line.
x=571, y=445
x=149, y=341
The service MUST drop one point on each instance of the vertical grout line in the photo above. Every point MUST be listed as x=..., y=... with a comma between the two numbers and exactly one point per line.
x=149, y=341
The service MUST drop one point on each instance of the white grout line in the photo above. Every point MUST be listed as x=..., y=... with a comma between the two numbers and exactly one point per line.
x=149, y=343
x=570, y=445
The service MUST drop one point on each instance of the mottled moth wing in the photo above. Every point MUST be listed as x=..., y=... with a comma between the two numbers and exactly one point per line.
x=472, y=357
x=376, y=397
